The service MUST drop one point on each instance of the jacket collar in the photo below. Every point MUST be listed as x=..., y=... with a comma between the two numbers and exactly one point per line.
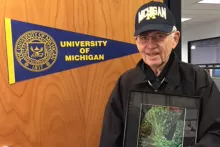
x=172, y=77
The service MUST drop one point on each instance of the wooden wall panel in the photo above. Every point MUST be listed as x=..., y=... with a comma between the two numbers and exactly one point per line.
x=63, y=109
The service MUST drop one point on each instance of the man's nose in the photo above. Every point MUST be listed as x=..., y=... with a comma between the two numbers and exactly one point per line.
x=151, y=43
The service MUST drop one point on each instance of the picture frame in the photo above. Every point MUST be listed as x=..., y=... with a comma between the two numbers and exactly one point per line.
x=142, y=104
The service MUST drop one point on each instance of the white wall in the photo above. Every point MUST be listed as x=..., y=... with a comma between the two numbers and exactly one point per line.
x=196, y=32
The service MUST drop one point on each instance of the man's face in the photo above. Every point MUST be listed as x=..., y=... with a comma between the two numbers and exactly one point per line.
x=155, y=47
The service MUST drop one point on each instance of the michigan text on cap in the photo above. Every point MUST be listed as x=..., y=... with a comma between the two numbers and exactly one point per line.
x=151, y=13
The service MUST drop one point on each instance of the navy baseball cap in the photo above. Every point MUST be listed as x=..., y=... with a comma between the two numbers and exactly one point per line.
x=154, y=16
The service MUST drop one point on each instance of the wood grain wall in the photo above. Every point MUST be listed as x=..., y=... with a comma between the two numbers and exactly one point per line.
x=63, y=109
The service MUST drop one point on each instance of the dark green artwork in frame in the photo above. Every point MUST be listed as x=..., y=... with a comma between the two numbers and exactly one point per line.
x=161, y=126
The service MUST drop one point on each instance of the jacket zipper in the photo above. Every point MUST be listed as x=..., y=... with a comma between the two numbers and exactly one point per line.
x=158, y=86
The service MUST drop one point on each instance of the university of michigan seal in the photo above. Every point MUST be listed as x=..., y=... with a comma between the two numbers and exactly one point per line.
x=36, y=51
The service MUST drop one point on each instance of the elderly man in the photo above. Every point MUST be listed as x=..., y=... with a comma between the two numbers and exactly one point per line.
x=159, y=70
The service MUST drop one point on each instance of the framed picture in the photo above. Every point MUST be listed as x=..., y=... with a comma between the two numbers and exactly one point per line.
x=161, y=120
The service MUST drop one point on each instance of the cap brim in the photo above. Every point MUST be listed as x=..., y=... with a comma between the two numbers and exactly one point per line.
x=154, y=27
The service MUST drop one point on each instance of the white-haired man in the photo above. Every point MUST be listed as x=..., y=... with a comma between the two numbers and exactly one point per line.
x=159, y=70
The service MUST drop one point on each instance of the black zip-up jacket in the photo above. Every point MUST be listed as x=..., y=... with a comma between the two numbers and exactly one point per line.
x=181, y=79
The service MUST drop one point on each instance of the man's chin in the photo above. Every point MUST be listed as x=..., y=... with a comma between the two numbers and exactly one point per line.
x=154, y=64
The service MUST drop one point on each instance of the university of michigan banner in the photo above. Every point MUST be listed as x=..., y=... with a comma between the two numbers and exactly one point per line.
x=35, y=50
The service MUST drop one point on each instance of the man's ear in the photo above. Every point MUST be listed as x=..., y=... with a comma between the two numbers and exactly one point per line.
x=176, y=38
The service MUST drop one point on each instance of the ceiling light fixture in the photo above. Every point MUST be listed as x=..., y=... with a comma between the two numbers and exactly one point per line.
x=185, y=19
x=209, y=2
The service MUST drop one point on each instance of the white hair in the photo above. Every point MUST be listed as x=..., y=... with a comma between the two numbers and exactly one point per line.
x=173, y=30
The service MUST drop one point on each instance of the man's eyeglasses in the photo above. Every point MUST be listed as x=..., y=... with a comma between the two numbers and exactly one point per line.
x=158, y=37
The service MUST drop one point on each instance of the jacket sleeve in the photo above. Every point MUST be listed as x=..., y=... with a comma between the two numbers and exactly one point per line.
x=209, y=128
x=112, y=129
